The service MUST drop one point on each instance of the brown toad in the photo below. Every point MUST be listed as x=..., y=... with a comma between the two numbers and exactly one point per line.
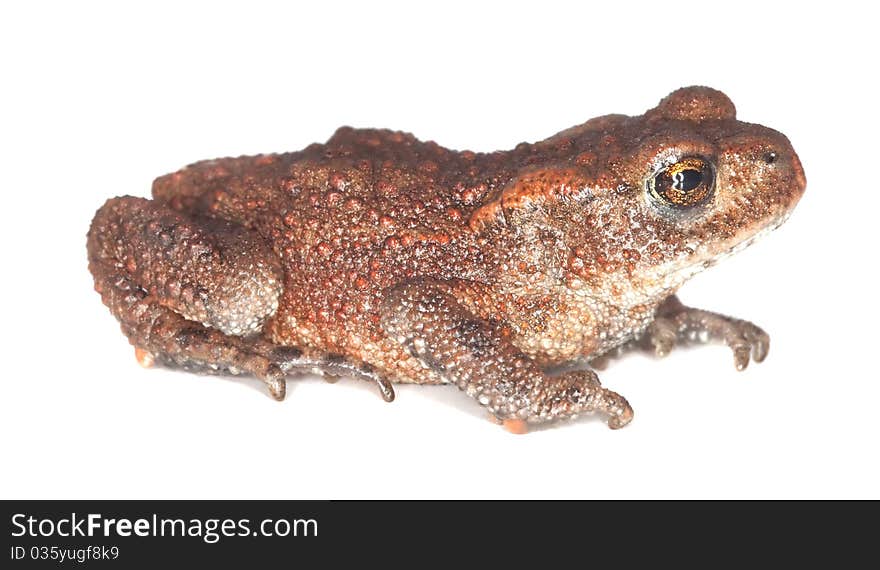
x=384, y=257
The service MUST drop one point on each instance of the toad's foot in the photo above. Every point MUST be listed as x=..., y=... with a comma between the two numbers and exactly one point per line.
x=194, y=348
x=676, y=323
x=569, y=395
x=336, y=367
x=332, y=367
x=290, y=360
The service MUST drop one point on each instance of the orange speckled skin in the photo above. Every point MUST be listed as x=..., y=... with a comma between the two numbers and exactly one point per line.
x=546, y=254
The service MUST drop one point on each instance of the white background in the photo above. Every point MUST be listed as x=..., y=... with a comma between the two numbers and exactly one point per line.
x=99, y=98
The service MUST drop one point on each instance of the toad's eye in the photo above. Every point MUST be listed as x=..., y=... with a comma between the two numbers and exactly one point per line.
x=686, y=183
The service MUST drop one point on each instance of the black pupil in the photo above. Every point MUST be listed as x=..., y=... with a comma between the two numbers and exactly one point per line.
x=687, y=179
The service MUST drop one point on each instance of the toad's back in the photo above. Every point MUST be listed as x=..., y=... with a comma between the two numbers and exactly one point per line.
x=349, y=219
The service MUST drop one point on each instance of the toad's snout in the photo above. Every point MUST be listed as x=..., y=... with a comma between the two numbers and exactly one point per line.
x=791, y=178
x=800, y=178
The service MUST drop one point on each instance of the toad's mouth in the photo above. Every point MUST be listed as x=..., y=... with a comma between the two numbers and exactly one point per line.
x=692, y=269
x=738, y=247
x=674, y=277
x=663, y=281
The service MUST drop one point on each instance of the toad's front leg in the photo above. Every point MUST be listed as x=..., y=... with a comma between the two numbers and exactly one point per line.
x=472, y=354
x=676, y=323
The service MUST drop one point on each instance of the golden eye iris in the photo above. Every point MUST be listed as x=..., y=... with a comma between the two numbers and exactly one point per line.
x=686, y=183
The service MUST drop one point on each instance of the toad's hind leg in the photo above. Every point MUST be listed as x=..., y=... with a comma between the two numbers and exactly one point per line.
x=187, y=291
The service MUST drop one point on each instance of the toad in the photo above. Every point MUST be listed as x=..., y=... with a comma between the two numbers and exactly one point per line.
x=379, y=256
